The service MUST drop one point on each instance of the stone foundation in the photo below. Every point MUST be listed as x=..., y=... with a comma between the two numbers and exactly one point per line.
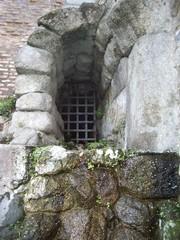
x=85, y=194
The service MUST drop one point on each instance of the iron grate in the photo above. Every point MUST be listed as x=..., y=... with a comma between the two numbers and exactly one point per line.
x=78, y=109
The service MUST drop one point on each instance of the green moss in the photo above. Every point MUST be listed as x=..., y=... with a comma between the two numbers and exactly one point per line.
x=7, y=105
x=37, y=154
x=109, y=157
x=97, y=145
x=169, y=220
x=99, y=112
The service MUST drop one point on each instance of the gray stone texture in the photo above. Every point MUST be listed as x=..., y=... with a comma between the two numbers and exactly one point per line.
x=63, y=20
x=45, y=39
x=35, y=102
x=113, y=120
x=32, y=60
x=41, y=121
x=153, y=113
x=33, y=83
x=79, y=203
x=151, y=175
x=13, y=172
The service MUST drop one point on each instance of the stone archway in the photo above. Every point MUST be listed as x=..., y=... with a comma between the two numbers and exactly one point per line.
x=61, y=48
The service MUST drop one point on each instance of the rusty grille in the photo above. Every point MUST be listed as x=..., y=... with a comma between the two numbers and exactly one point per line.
x=78, y=108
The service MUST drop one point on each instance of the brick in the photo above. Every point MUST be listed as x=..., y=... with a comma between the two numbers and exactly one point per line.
x=17, y=22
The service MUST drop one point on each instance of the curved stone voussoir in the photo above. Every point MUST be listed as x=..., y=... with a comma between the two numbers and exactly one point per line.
x=33, y=83
x=45, y=39
x=41, y=121
x=32, y=60
x=63, y=20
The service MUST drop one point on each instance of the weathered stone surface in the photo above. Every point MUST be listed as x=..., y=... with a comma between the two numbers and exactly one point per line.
x=45, y=39
x=120, y=79
x=113, y=121
x=169, y=215
x=153, y=118
x=83, y=186
x=151, y=175
x=128, y=20
x=39, y=226
x=32, y=60
x=41, y=121
x=13, y=172
x=84, y=63
x=32, y=137
x=133, y=212
x=74, y=225
x=49, y=194
x=124, y=233
x=56, y=159
x=33, y=83
x=63, y=20
x=92, y=12
x=98, y=226
x=106, y=186
x=58, y=117
x=111, y=60
x=25, y=136
x=35, y=102
x=11, y=209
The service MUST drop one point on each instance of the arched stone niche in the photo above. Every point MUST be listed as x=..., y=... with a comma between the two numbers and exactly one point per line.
x=60, y=50
x=113, y=44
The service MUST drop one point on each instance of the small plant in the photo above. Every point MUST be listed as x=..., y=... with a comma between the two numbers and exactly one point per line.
x=97, y=145
x=91, y=166
x=7, y=105
x=108, y=205
x=37, y=154
x=98, y=200
x=99, y=113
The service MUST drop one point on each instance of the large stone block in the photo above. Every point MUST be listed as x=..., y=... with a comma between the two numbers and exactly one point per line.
x=32, y=60
x=41, y=121
x=63, y=20
x=13, y=172
x=153, y=120
x=113, y=121
x=151, y=175
x=35, y=102
x=45, y=39
x=32, y=137
x=133, y=212
x=13, y=162
x=33, y=83
x=120, y=78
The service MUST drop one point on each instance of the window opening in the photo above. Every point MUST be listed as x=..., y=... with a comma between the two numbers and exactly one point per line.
x=78, y=109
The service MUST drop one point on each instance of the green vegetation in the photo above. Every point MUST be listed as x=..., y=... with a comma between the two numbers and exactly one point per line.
x=98, y=200
x=99, y=113
x=7, y=105
x=98, y=145
x=169, y=220
x=107, y=157
x=37, y=154
x=17, y=228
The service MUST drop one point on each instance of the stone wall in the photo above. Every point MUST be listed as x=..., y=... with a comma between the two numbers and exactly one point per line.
x=17, y=22
x=131, y=50
x=122, y=54
x=102, y=194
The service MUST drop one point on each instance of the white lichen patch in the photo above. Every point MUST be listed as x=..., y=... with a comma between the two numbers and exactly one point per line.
x=112, y=154
x=58, y=152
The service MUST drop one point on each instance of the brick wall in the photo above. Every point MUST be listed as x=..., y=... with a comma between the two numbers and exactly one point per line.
x=17, y=20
